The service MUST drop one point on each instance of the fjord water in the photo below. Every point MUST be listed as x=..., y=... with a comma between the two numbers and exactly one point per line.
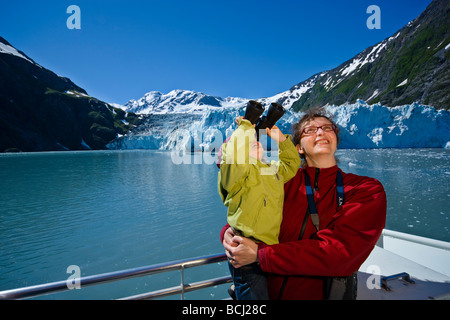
x=110, y=210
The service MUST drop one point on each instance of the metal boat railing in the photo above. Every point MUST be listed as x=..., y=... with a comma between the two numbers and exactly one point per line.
x=42, y=289
x=181, y=265
x=410, y=238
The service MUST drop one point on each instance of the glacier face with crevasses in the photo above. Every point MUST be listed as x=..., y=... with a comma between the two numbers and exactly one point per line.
x=376, y=126
x=201, y=127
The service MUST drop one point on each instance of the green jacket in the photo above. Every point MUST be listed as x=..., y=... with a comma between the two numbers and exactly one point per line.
x=253, y=190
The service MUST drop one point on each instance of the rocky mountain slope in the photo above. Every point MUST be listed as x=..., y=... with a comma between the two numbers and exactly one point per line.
x=40, y=111
x=410, y=66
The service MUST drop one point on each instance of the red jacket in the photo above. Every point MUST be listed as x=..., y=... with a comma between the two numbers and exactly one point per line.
x=346, y=237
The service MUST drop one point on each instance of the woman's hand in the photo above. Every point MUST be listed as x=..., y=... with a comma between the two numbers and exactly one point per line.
x=240, y=250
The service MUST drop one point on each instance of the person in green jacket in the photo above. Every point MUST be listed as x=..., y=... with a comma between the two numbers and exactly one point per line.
x=253, y=191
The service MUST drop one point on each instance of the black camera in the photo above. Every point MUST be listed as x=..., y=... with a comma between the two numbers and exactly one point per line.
x=255, y=110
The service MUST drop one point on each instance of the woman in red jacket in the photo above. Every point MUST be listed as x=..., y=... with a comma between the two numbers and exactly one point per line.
x=313, y=247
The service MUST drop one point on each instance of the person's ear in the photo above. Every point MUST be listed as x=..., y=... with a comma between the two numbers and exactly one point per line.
x=300, y=149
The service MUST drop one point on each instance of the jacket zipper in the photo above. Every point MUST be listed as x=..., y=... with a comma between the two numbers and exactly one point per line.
x=264, y=204
x=316, y=180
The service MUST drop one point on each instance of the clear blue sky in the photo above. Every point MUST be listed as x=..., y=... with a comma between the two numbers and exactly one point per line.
x=244, y=48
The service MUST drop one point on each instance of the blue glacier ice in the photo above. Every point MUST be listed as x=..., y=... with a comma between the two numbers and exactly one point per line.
x=362, y=126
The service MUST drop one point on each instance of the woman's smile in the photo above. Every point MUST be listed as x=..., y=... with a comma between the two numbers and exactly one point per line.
x=321, y=141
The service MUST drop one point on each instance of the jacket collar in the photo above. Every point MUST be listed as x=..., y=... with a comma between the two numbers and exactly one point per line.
x=324, y=173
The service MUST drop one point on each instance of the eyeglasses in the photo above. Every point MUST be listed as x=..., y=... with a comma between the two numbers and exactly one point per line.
x=325, y=128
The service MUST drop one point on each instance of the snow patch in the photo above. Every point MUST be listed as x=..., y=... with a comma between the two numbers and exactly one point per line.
x=374, y=94
x=4, y=48
x=77, y=94
x=402, y=83
x=357, y=63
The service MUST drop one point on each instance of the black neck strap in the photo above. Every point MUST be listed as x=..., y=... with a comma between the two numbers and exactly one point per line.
x=310, y=196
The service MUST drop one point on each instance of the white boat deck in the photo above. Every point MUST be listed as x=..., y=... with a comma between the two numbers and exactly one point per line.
x=426, y=261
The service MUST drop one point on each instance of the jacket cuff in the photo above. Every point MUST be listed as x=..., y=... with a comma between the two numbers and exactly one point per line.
x=262, y=259
x=222, y=232
x=285, y=142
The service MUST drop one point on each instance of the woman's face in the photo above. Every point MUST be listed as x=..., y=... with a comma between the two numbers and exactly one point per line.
x=319, y=145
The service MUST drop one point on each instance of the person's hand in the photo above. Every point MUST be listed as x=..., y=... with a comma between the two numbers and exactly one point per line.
x=240, y=250
x=228, y=237
x=276, y=134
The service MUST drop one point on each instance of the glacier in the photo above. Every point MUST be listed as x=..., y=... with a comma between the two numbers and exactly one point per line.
x=361, y=126
x=366, y=126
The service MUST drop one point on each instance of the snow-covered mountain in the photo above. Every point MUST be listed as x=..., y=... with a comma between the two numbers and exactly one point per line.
x=187, y=101
x=411, y=65
x=180, y=101
x=42, y=111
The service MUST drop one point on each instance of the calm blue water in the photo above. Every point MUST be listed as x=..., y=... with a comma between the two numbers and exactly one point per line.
x=111, y=210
